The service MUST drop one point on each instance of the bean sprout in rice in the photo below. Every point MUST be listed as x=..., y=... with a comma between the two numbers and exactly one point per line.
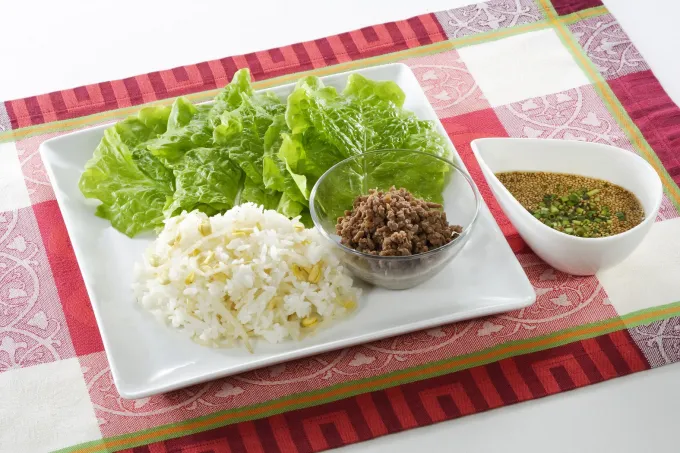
x=249, y=273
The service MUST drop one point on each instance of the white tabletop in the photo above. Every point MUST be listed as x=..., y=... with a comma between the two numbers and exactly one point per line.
x=69, y=43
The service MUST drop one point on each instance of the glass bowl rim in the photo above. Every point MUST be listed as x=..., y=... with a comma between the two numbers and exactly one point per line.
x=459, y=238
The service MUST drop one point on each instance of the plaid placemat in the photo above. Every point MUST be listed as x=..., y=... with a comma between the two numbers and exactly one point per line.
x=518, y=68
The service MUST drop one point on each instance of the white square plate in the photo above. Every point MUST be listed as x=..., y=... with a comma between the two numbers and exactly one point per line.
x=147, y=357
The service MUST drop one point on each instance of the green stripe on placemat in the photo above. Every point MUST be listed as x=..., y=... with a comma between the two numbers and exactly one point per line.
x=432, y=369
x=582, y=15
x=353, y=388
x=599, y=84
x=112, y=115
x=608, y=97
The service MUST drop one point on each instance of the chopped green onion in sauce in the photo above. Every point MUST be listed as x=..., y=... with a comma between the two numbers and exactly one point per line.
x=575, y=205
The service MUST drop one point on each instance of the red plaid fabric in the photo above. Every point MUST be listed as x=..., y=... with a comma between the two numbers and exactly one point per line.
x=580, y=331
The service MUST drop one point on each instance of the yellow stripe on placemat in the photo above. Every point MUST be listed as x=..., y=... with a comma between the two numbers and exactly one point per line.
x=479, y=358
x=608, y=97
x=348, y=389
x=110, y=115
x=585, y=14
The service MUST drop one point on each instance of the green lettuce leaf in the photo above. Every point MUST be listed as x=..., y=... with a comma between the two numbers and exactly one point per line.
x=132, y=186
x=273, y=168
x=181, y=114
x=205, y=179
x=277, y=175
x=193, y=126
x=242, y=131
x=327, y=127
x=251, y=147
x=290, y=208
x=207, y=147
x=256, y=193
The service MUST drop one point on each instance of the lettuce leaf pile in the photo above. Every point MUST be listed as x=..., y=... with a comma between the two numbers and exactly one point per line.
x=250, y=146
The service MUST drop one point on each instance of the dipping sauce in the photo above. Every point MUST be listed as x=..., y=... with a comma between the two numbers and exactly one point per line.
x=573, y=204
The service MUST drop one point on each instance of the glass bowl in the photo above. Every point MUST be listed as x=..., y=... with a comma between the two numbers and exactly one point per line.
x=424, y=175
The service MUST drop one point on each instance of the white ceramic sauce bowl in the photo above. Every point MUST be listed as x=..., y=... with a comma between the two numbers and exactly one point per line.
x=571, y=254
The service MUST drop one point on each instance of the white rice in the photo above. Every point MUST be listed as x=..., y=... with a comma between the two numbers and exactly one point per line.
x=247, y=273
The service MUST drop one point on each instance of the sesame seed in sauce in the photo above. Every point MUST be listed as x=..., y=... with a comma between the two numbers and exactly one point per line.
x=573, y=204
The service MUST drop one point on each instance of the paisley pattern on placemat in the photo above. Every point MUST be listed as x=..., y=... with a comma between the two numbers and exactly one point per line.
x=576, y=114
x=37, y=182
x=448, y=84
x=562, y=301
x=571, y=337
x=608, y=46
x=32, y=325
x=659, y=341
x=488, y=16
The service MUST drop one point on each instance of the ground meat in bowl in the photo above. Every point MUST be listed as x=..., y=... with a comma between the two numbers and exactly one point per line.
x=394, y=223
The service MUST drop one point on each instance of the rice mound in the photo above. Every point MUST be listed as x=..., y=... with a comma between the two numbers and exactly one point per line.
x=244, y=274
